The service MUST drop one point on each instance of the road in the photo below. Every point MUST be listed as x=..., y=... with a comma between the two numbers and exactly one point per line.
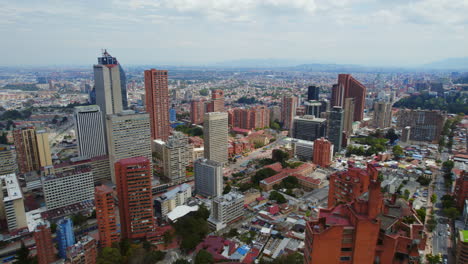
x=440, y=238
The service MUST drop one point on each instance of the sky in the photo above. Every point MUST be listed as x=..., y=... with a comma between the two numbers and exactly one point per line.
x=202, y=32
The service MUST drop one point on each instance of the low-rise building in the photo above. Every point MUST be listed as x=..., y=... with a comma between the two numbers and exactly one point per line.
x=168, y=201
x=226, y=209
x=83, y=252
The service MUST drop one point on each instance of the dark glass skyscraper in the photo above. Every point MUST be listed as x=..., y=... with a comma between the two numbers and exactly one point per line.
x=313, y=93
x=335, y=127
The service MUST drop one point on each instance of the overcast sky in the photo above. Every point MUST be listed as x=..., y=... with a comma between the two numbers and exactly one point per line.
x=371, y=32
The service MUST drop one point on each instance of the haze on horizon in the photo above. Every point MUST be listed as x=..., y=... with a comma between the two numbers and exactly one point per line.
x=197, y=32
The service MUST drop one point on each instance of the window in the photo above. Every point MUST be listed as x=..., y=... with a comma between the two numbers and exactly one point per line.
x=346, y=249
x=345, y=258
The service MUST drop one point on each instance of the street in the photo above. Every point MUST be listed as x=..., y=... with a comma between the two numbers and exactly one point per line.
x=440, y=234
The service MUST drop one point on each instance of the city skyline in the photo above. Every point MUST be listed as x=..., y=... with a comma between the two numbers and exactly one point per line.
x=195, y=32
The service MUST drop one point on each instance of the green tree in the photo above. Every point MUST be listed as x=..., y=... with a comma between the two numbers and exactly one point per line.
x=278, y=197
x=391, y=135
x=232, y=233
x=451, y=213
x=421, y=214
x=227, y=188
x=275, y=125
x=204, y=92
x=154, y=256
x=397, y=151
x=433, y=259
x=3, y=138
x=168, y=237
x=433, y=198
x=109, y=256
x=406, y=194
x=262, y=174
x=181, y=261
x=280, y=156
x=204, y=257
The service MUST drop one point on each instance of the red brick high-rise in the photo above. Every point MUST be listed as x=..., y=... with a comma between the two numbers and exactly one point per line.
x=348, y=87
x=197, y=111
x=106, y=216
x=157, y=103
x=460, y=192
x=253, y=118
x=366, y=230
x=133, y=177
x=217, y=101
x=45, y=246
x=345, y=186
x=322, y=152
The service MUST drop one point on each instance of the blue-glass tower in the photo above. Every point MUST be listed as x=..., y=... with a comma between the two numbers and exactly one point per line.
x=65, y=236
x=172, y=115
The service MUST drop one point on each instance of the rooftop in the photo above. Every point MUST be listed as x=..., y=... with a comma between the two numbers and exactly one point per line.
x=10, y=183
x=464, y=236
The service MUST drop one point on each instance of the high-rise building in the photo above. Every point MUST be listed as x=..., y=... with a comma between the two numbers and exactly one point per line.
x=157, y=102
x=325, y=106
x=208, y=177
x=309, y=127
x=176, y=156
x=7, y=160
x=65, y=236
x=133, y=177
x=83, y=252
x=68, y=187
x=89, y=127
x=336, y=127
x=44, y=246
x=217, y=101
x=437, y=87
x=426, y=125
x=215, y=132
x=382, y=114
x=323, y=152
x=12, y=203
x=197, y=110
x=288, y=111
x=348, y=87
x=106, y=216
x=313, y=108
x=275, y=113
x=461, y=256
x=349, y=108
x=128, y=135
x=252, y=118
x=99, y=166
x=313, y=93
x=226, y=209
x=348, y=185
x=110, y=85
x=460, y=192
x=367, y=230
x=32, y=149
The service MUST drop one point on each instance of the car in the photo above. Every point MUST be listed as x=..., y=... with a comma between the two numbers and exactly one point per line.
x=440, y=234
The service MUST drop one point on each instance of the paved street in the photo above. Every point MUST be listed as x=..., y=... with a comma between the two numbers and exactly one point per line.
x=440, y=238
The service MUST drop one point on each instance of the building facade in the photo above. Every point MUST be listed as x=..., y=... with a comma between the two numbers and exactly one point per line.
x=133, y=179
x=309, y=128
x=426, y=125
x=460, y=192
x=336, y=127
x=177, y=155
x=217, y=101
x=168, y=201
x=83, y=252
x=382, y=114
x=323, y=152
x=7, y=160
x=197, y=111
x=89, y=128
x=348, y=87
x=313, y=93
x=462, y=247
x=208, y=177
x=12, y=203
x=226, y=209
x=256, y=117
x=215, y=132
x=288, y=111
x=44, y=245
x=157, y=103
x=65, y=236
x=106, y=216
x=32, y=149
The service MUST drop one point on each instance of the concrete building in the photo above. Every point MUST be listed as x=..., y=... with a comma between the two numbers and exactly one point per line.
x=309, y=127
x=313, y=108
x=215, y=132
x=133, y=178
x=32, y=149
x=405, y=134
x=335, y=128
x=12, y=203
x=288, y=111
x=106, y=216
x=217, y=101
x=157, y=103
x=208, y=177
x=168, y=201
x=7, y=160
x=303, y=149
x=99, y=167
x=382, y=114
x=44, y=245
x=348, y=87
x=83, y=252
x=128, y=135
x=462, y=247
x=197, y=111
x=226, y=209
x=349, y=107
x=89, y=128
x=256, y=117
x=426, y=125
x=368, y=229
x=176, y=157
x=323, y=152
x=275, y=113
x=68, y=187
x=345, y=186
x=65, y=236
x=110, y=85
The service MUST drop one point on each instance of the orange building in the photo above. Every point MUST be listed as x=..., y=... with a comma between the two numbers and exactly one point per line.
x=157, y=103
x=197, y=111
x=217, y=101
x=323, y=151
x=365, y=231
x=348, y=87
x=252, y=118
x=45, y=246
x=460, y=192
x=133, y=177
x=345, y=186
x=106, y=217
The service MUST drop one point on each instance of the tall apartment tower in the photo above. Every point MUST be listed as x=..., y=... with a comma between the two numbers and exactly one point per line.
x=157, y=102
x=348, y=87
x=32, y=149
x=215, y=131
x=253, y=118
x=110, y=85
x=44, y=245
x=106, y=216
x=89, y=127
x=335, y=127
x=208, y=177
x=134, y=177
x=323, y=152
x=7, y=160
x=382, y=114
x=176, y=157
x=309, y=127
x=128, y=135
x=349, y=109
x=197, y=111
x=217, y=101
x=313, y=93
x=288, y=111
x=12, y=203
x=65, y=236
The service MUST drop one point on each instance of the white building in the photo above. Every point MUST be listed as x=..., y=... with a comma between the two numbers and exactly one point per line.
x=208, y=177
x=12, y=205
x=215, y=132
x=173, y=198
x=226, y=209
x=89, y=129
x=68, y=187
x=176, y=155
x=303, y=149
